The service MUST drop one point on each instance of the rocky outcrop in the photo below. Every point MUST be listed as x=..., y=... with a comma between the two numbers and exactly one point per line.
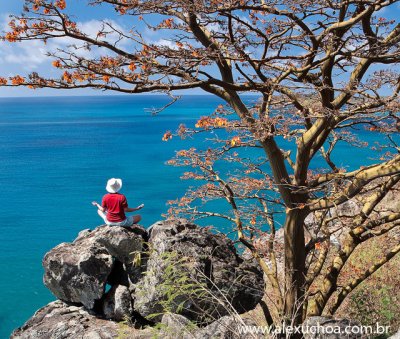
x=77, y=272
x=200, y=259
x=117, y=303
x=396, y=335
x=121, y=274
x=58, y=320
x=175, y=326
x=229, y=327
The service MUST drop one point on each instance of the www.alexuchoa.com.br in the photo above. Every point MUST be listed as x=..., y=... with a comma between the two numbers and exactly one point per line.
x=316, y=329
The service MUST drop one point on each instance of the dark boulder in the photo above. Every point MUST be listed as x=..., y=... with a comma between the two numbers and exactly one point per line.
x=117, y=304
x=174, y=326
x=184, y=269
x=184, y=258
x=78, y=272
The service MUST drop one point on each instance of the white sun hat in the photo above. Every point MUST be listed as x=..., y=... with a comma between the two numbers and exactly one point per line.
x=113, y=185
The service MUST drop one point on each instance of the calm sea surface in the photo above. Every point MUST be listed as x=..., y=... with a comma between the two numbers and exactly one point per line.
x=56, y=155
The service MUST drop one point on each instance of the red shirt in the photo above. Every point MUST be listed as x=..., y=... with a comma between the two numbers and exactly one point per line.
x=115, y=203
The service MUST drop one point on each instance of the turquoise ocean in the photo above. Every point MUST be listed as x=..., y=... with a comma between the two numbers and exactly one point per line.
x=56, y=154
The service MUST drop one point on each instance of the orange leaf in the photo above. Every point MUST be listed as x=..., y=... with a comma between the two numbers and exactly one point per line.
x=67, y=77
x=56, y=63
x=132, y=66
x=167, y=135
x=61, y=4
x=235, y=141
x=17, y=80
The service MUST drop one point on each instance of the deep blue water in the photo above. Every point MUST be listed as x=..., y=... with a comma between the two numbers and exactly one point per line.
x=56, y=155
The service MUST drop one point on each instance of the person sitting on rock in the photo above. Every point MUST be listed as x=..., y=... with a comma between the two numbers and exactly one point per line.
x=114, y=205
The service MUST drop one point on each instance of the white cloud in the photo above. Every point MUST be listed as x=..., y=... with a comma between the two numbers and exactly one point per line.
x=165, y=43
x=27, y=55
x=30, y=55
x=214, y=27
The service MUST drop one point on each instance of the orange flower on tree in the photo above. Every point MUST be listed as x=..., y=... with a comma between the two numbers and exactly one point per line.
x=235, y=141
x=78, y=76
x=70, y=24
x=167, y=135
x=168, y=22
x=56, y=63
x=17, y=80
x=207, y=122
x=61, y=4
x=318, y=246
x=132, y=67
x=11, y=37
x=67, y=77
x=3, y=81
x=182, y=153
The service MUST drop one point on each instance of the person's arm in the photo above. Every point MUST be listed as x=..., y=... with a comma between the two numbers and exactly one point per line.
x=94, y=203
x=130, y=209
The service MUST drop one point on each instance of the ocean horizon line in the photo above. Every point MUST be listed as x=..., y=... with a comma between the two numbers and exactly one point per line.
x=116, y=95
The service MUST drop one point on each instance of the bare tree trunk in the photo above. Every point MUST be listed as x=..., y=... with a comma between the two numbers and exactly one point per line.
x=294, y=265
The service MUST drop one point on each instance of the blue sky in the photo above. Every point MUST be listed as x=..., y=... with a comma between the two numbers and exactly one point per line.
x=29, y=56
x=23, y=58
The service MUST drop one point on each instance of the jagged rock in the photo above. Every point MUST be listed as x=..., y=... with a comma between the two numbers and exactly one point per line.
x=175, y=326
x=210, y=259
x=78, y=271
x=396, y=335
x=329, y=328
x=117, y=304
x=58, y=320
x=123, y=244
x=229, y=327
x=120, y=242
